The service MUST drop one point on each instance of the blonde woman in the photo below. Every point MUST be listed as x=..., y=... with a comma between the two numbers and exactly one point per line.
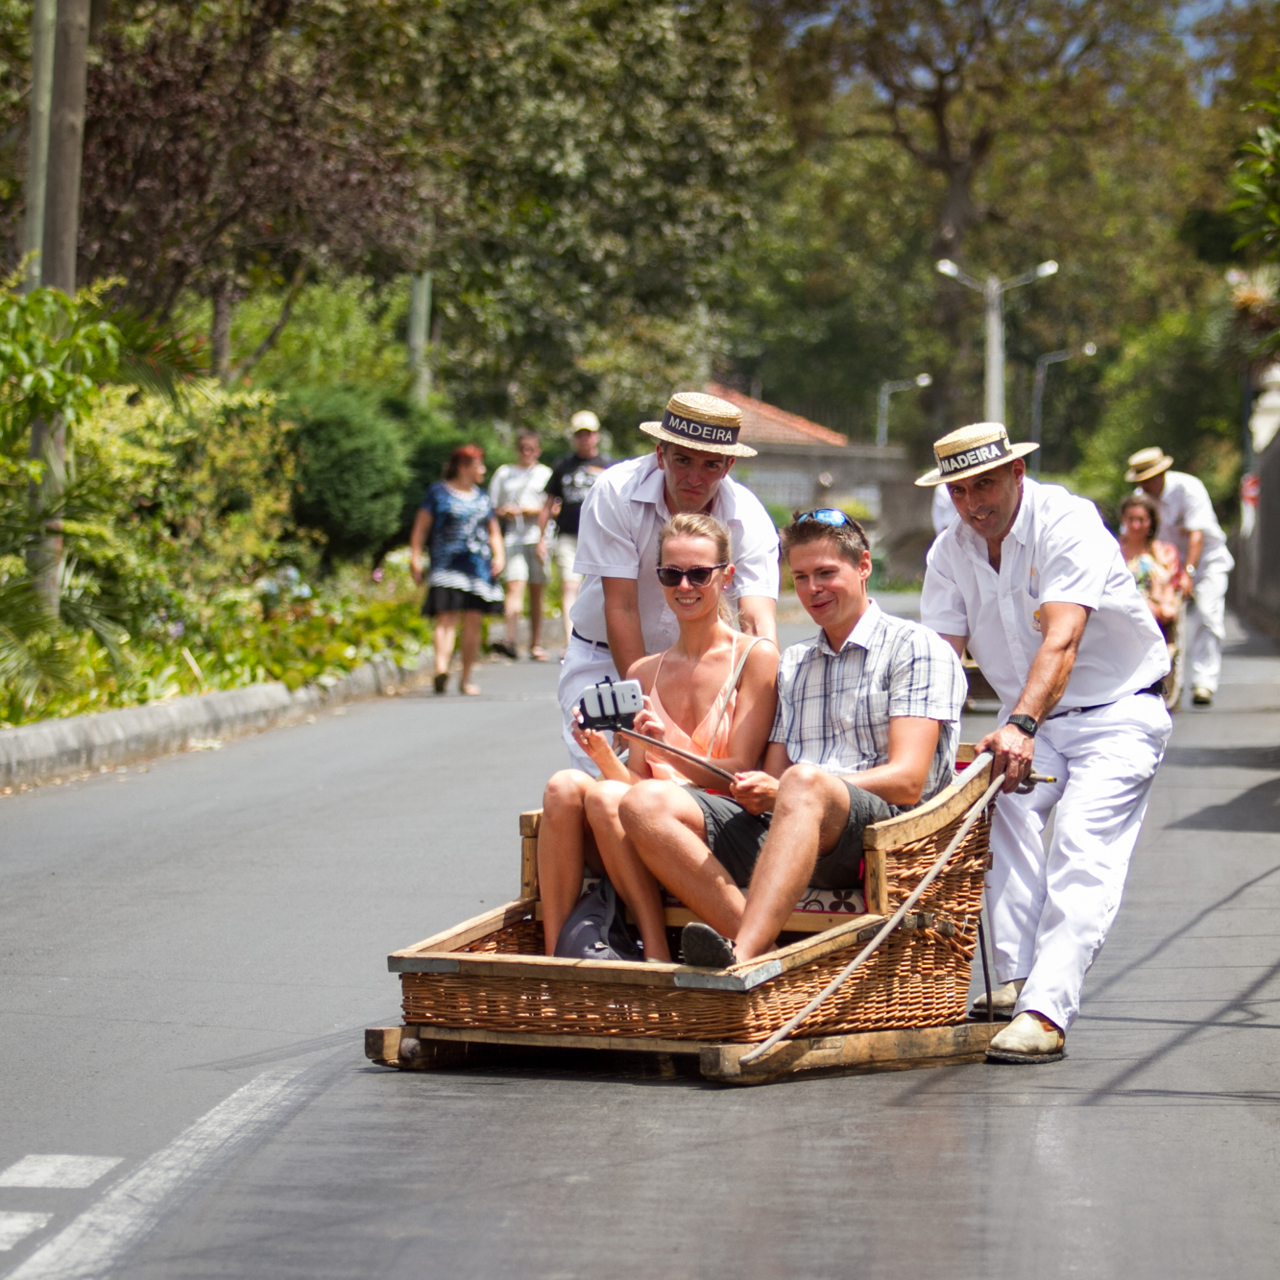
x=713, y=692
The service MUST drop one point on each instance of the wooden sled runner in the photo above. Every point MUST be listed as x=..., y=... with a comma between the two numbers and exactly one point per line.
x=486, y=982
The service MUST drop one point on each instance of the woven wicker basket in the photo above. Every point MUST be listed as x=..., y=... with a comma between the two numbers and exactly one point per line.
x=918, y=978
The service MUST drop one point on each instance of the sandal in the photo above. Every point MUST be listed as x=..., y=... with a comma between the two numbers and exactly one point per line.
x=538, y=654
x=441, y=681
x=469, y=689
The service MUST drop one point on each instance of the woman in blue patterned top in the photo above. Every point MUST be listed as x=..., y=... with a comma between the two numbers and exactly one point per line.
x=457, y=523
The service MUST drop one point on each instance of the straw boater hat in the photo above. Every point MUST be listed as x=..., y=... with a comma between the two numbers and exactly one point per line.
x=584, y=420
x=972, y=450
x=1147, y=463
x=702, y=422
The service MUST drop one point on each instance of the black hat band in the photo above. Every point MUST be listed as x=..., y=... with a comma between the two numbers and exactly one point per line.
x=977, y=456
x=696, y=432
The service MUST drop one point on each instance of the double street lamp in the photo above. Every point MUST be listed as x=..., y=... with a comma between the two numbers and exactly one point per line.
x=882, y=401
x=993, y=290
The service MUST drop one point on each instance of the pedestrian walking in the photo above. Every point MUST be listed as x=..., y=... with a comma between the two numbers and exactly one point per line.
x=621, y=613
x=571, y=480
x=518, y=492
x=458, y=524
x=1030, y=578
x=1187, y=520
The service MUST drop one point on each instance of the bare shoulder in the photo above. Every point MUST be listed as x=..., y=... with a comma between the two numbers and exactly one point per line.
x=763, y=659
x=645, y=669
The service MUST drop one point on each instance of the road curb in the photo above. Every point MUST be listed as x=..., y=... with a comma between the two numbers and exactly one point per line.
x=34, y=753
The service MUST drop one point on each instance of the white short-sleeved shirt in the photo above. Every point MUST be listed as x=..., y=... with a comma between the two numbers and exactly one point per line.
x=514, y=486
x=618, y=538
x=1184, y=508
x=1057, y=551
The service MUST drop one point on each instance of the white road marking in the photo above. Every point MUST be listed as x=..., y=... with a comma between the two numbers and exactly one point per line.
x=90, y=1245
x=17, y=1226
x=57, y=1171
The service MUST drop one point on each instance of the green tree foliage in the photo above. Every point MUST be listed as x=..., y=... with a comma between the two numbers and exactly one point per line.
x=352, y=470
x=1171, y=386
x=1256, y=180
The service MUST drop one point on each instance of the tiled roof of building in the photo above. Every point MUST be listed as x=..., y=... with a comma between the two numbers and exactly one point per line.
x=765, y=424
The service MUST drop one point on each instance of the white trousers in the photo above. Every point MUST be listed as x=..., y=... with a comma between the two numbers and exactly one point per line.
x=1050, y=909
x=1206, y=623
x=582, y=665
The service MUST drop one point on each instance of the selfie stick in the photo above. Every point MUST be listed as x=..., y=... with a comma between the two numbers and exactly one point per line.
x=678, y=751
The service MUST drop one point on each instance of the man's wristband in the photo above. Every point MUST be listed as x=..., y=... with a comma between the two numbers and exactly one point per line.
x=1025, y=723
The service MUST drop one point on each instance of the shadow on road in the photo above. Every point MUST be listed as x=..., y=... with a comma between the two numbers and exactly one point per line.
x=1257, y=809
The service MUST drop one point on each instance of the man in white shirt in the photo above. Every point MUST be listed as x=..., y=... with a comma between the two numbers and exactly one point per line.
x=620, y=613
x=1187, y=520
x=1034, y=583
x=517, y=492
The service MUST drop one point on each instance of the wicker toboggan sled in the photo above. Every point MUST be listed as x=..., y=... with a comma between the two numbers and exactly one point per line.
x=487, y=981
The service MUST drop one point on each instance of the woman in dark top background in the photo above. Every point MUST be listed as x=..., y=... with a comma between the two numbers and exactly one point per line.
x=457, y=524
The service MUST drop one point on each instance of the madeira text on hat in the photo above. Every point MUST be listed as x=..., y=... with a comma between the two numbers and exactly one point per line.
x=584, y=420
x=981, y=446
x=702, y=422
x=1146, y=464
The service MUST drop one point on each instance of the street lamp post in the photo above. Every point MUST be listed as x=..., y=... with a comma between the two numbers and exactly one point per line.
x=993, y=290
x=1037, y=390
x=882, y=401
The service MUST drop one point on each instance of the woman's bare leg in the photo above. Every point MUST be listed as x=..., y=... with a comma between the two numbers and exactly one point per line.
x=667, y=832
x=446, y=632
x=470, y=647
x=632, y=879
x=564, y=848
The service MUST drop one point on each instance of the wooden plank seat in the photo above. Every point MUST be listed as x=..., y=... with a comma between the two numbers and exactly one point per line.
x=817, y=910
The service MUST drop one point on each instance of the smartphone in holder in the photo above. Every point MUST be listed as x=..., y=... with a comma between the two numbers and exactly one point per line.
x=611, y=704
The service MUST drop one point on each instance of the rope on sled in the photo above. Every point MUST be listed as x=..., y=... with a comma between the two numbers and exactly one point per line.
x=889, y=925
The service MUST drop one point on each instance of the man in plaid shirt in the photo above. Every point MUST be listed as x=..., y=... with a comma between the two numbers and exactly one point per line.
x=866, y=726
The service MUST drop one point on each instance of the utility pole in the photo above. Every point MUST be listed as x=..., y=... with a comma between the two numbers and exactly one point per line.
x=419, y=327
x=58, y=267
x=882, y=402
x=993, y=290
x=1037, y=392
x=44, y=14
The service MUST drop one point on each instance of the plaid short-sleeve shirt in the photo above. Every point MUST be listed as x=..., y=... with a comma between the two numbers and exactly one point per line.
x=834, y=708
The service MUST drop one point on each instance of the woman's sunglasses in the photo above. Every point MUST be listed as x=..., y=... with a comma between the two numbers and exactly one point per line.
x=698, y=576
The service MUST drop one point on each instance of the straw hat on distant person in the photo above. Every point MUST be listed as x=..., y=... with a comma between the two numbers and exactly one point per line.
x=979, y=447
x=701, y=422
x=1146, y=464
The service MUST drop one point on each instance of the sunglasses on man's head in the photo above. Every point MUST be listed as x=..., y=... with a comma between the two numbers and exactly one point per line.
x=698, y=576
x=825, y=515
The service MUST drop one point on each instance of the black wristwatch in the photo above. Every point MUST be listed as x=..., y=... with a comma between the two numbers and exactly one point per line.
x=1025, y=723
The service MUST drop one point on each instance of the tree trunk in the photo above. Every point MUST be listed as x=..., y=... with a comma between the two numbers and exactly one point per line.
x=220, y=332
x=58, y=267
x=419, y=326
x=66, y=144
x=44, y=14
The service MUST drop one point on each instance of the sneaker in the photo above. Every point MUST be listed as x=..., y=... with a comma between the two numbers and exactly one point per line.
x=1201, y=697
x=704, y=948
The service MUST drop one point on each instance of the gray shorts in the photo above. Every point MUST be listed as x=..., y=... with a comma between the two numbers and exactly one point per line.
x=735, y=837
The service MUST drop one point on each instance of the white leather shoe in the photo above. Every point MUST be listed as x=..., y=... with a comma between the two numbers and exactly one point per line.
x=1002, y=1001
x=1028, y=1039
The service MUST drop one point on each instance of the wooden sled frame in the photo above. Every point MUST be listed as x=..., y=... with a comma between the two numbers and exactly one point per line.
x=422, y=1043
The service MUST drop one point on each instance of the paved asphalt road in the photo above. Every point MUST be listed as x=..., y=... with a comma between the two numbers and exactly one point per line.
x=189, y=953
